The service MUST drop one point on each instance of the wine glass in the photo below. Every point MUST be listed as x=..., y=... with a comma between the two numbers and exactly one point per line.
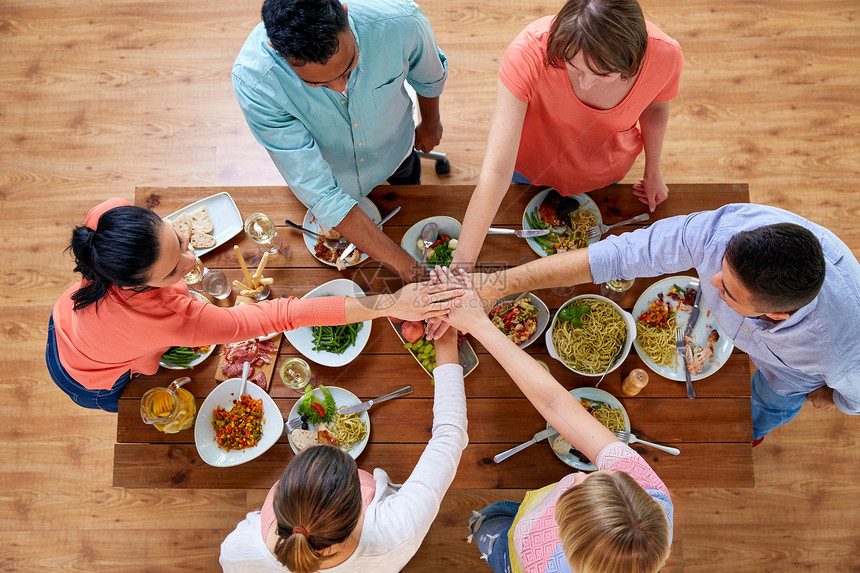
x=261, y=229
x=193, y=276
x=296, y=374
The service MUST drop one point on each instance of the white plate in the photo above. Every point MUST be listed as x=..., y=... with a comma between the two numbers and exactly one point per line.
x=409, y=242
x=628, y=343
x=595, y=395
x=191, y=363
x=585, y=203
x=310, y=223
x=542, y=317
x=342, y=398
x=302, y=338
x=226, y=220
x=722, y=349
x=223, y=395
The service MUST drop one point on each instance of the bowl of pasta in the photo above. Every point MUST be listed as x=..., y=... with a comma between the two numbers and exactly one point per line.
x=590, y=335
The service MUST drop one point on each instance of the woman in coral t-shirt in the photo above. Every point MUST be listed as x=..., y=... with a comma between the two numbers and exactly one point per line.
x=579, y=96
x=132, y=305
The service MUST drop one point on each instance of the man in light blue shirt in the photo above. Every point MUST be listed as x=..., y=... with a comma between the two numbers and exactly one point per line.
x=322, y=89
x=787, y=291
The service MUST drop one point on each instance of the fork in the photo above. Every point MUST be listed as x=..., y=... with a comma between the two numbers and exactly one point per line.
x=600, y=228
x=629, y=438
x=681, y=345
x=291, y=425
x=331, y=243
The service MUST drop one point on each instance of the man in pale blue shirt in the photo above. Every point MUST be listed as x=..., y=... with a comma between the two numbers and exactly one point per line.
x=787, y=291
x=322, y=89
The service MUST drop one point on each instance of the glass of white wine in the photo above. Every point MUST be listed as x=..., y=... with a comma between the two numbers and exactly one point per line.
x=194, y=275
x=616, y=289
x=296, y=374
x=261, y=229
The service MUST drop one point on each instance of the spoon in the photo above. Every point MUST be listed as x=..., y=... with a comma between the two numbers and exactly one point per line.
x=428, y=236
x=608, y=368
x=246, y=368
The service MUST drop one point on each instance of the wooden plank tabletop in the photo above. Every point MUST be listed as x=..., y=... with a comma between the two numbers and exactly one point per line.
x=713, y=432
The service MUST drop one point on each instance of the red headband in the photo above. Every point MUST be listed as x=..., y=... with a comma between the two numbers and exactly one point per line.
x=96, y=212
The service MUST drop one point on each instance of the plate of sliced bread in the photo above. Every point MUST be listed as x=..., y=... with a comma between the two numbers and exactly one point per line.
x=209, y=222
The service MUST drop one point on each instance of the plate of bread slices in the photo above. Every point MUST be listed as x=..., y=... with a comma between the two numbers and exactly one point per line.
x=209, y=222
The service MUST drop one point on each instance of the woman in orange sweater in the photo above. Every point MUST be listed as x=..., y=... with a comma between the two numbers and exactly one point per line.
x=132, y=305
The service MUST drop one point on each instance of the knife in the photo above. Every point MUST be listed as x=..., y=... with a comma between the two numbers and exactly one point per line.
x=364, y=406
x=522, y=233
x=694, y=316
x=351, y=247
x=542, y=435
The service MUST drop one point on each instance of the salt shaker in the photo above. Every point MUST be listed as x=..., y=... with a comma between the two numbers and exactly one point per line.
x=635, y=381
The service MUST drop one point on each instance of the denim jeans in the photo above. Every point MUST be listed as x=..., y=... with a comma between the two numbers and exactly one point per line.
x=107, y=400
x=409, y=172
x=769, y=409
x=489, y=528
x=519, y=179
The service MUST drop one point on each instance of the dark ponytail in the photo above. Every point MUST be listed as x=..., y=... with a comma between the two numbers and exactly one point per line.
x=317, y=505
x=119, y=252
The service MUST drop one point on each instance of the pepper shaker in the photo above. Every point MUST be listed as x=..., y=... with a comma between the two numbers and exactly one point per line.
x=635, y=381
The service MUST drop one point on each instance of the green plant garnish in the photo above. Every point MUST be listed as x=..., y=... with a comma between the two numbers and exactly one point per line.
x=572, y=313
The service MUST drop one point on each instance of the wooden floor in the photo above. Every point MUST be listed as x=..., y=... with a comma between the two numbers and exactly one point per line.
x=99, y=97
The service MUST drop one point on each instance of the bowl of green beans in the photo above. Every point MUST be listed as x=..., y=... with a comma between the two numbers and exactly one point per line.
x=184, y=357
x=332, y=345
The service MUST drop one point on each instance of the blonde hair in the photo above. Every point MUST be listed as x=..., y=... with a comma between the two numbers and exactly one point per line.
x=317, y=505
x=611, y=35
x=609, y=524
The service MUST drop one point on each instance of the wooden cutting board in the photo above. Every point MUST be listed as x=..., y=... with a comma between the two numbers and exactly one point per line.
x=267, y=369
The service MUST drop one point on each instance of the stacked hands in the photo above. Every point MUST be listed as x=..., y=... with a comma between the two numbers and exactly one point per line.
x=449, y=298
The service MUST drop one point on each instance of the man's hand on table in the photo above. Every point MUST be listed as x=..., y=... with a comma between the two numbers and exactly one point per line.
x=822, y=398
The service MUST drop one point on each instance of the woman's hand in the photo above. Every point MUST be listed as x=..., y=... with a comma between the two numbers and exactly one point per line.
x=469, y=311
x=651, y=190
x=420, y=301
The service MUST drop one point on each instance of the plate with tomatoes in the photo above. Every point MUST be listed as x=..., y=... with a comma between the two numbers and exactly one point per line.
x=659, y=311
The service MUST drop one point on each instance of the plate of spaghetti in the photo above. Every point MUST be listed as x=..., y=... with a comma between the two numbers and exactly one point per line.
x=587, y=333
x=568, y=218
x=231, y=429
x=665, y=306
x=606, y=409
x=352, y=430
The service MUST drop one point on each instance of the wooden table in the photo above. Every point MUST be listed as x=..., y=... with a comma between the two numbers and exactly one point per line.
x=713, y=431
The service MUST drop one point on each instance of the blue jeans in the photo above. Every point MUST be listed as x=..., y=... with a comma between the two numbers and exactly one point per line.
x=107, y=400
x=489, y=527
x=519, y=179
x=769, y=409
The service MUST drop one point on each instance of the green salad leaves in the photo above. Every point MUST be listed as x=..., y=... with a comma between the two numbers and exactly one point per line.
x=315, y=409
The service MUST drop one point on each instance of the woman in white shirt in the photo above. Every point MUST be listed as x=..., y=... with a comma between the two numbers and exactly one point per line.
x=327, y=515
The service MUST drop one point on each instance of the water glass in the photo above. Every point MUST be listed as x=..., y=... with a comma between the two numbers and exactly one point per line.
x=216, y=284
